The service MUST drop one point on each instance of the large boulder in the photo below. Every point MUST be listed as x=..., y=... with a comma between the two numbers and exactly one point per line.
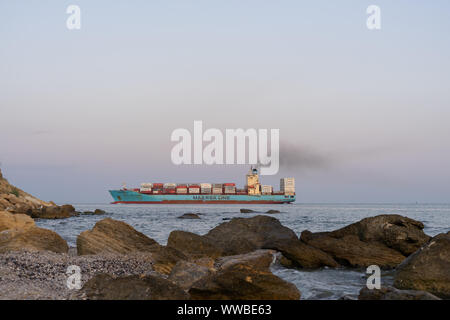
x=32, y=239
x=112, y=236
x=302, y=255
x=244, y=277
x=242, y=235
x=384, y=240
x=350, y=251
x=117, y=237
x=106, y=287
x=53, y=212
x=400, y=233
x=10, y=221
x=390, y=293
x=193, y=245
x=428, y=269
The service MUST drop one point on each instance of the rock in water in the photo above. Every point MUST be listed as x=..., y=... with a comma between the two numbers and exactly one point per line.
x=383, y=240
x=302, y=255
x=99, y=211
x=244, y=277
x=105, y=287
x=193, y=245
x=96, y=212
x=349, y=251
x=113, y=236
x=272, y=211
x=53, y=212
x=33, y=239
x=390, y=293
x=427, y=269
x=400, y=233
x=247, y=211
x=243, y=235
x=189, y=216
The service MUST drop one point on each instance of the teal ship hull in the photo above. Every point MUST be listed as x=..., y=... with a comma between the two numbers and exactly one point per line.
x=134, y=197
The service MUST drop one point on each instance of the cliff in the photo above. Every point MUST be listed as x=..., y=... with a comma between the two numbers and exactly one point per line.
x=16, y=200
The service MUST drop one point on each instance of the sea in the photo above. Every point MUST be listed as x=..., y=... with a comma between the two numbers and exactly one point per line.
x=157, y=221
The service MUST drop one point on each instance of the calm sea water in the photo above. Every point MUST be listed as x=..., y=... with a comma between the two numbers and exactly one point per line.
x=157, y=221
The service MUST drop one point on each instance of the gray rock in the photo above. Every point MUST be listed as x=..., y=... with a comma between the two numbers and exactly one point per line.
x=243, y=235
x=106, y=287
x=428, y=269
x=193, y=245
x=247, y=211
x=185, y=274
x=390, y=293
x=189, y=216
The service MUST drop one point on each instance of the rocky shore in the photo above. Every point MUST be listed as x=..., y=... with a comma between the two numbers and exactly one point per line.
x=231, y=261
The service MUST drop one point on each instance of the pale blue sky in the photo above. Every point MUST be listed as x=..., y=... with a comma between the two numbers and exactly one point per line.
x=82, y=111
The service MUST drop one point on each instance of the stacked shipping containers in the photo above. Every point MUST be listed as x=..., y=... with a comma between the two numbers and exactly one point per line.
x=181, y=189
x=205, y=188
x=158, y=187
x=194, y=188
x=146, y=187
x=266, y=189
x=170, y=187
x=217, y=188
x=287, y=185
x=229, y=188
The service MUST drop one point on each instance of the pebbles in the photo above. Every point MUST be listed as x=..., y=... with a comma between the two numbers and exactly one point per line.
x=42, y=275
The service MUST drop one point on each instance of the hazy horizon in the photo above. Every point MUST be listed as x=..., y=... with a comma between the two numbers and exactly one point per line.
x=363, y=114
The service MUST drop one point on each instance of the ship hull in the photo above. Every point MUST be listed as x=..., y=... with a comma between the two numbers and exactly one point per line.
x=133, y=197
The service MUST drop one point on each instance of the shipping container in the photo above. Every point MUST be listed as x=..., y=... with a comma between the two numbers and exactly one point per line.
x=205, y=190
x=229, y=190
x=146, y=185
x=169, y=185
x=287, y=182
x=181, y=190
x=194, y=190
x=229, y=184
x=217, y=190
x=217, y=185
x=205, y=185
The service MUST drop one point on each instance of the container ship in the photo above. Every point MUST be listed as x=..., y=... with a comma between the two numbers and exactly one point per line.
x=207, y=193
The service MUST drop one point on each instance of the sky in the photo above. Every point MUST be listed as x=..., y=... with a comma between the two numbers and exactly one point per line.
x=363, y=114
